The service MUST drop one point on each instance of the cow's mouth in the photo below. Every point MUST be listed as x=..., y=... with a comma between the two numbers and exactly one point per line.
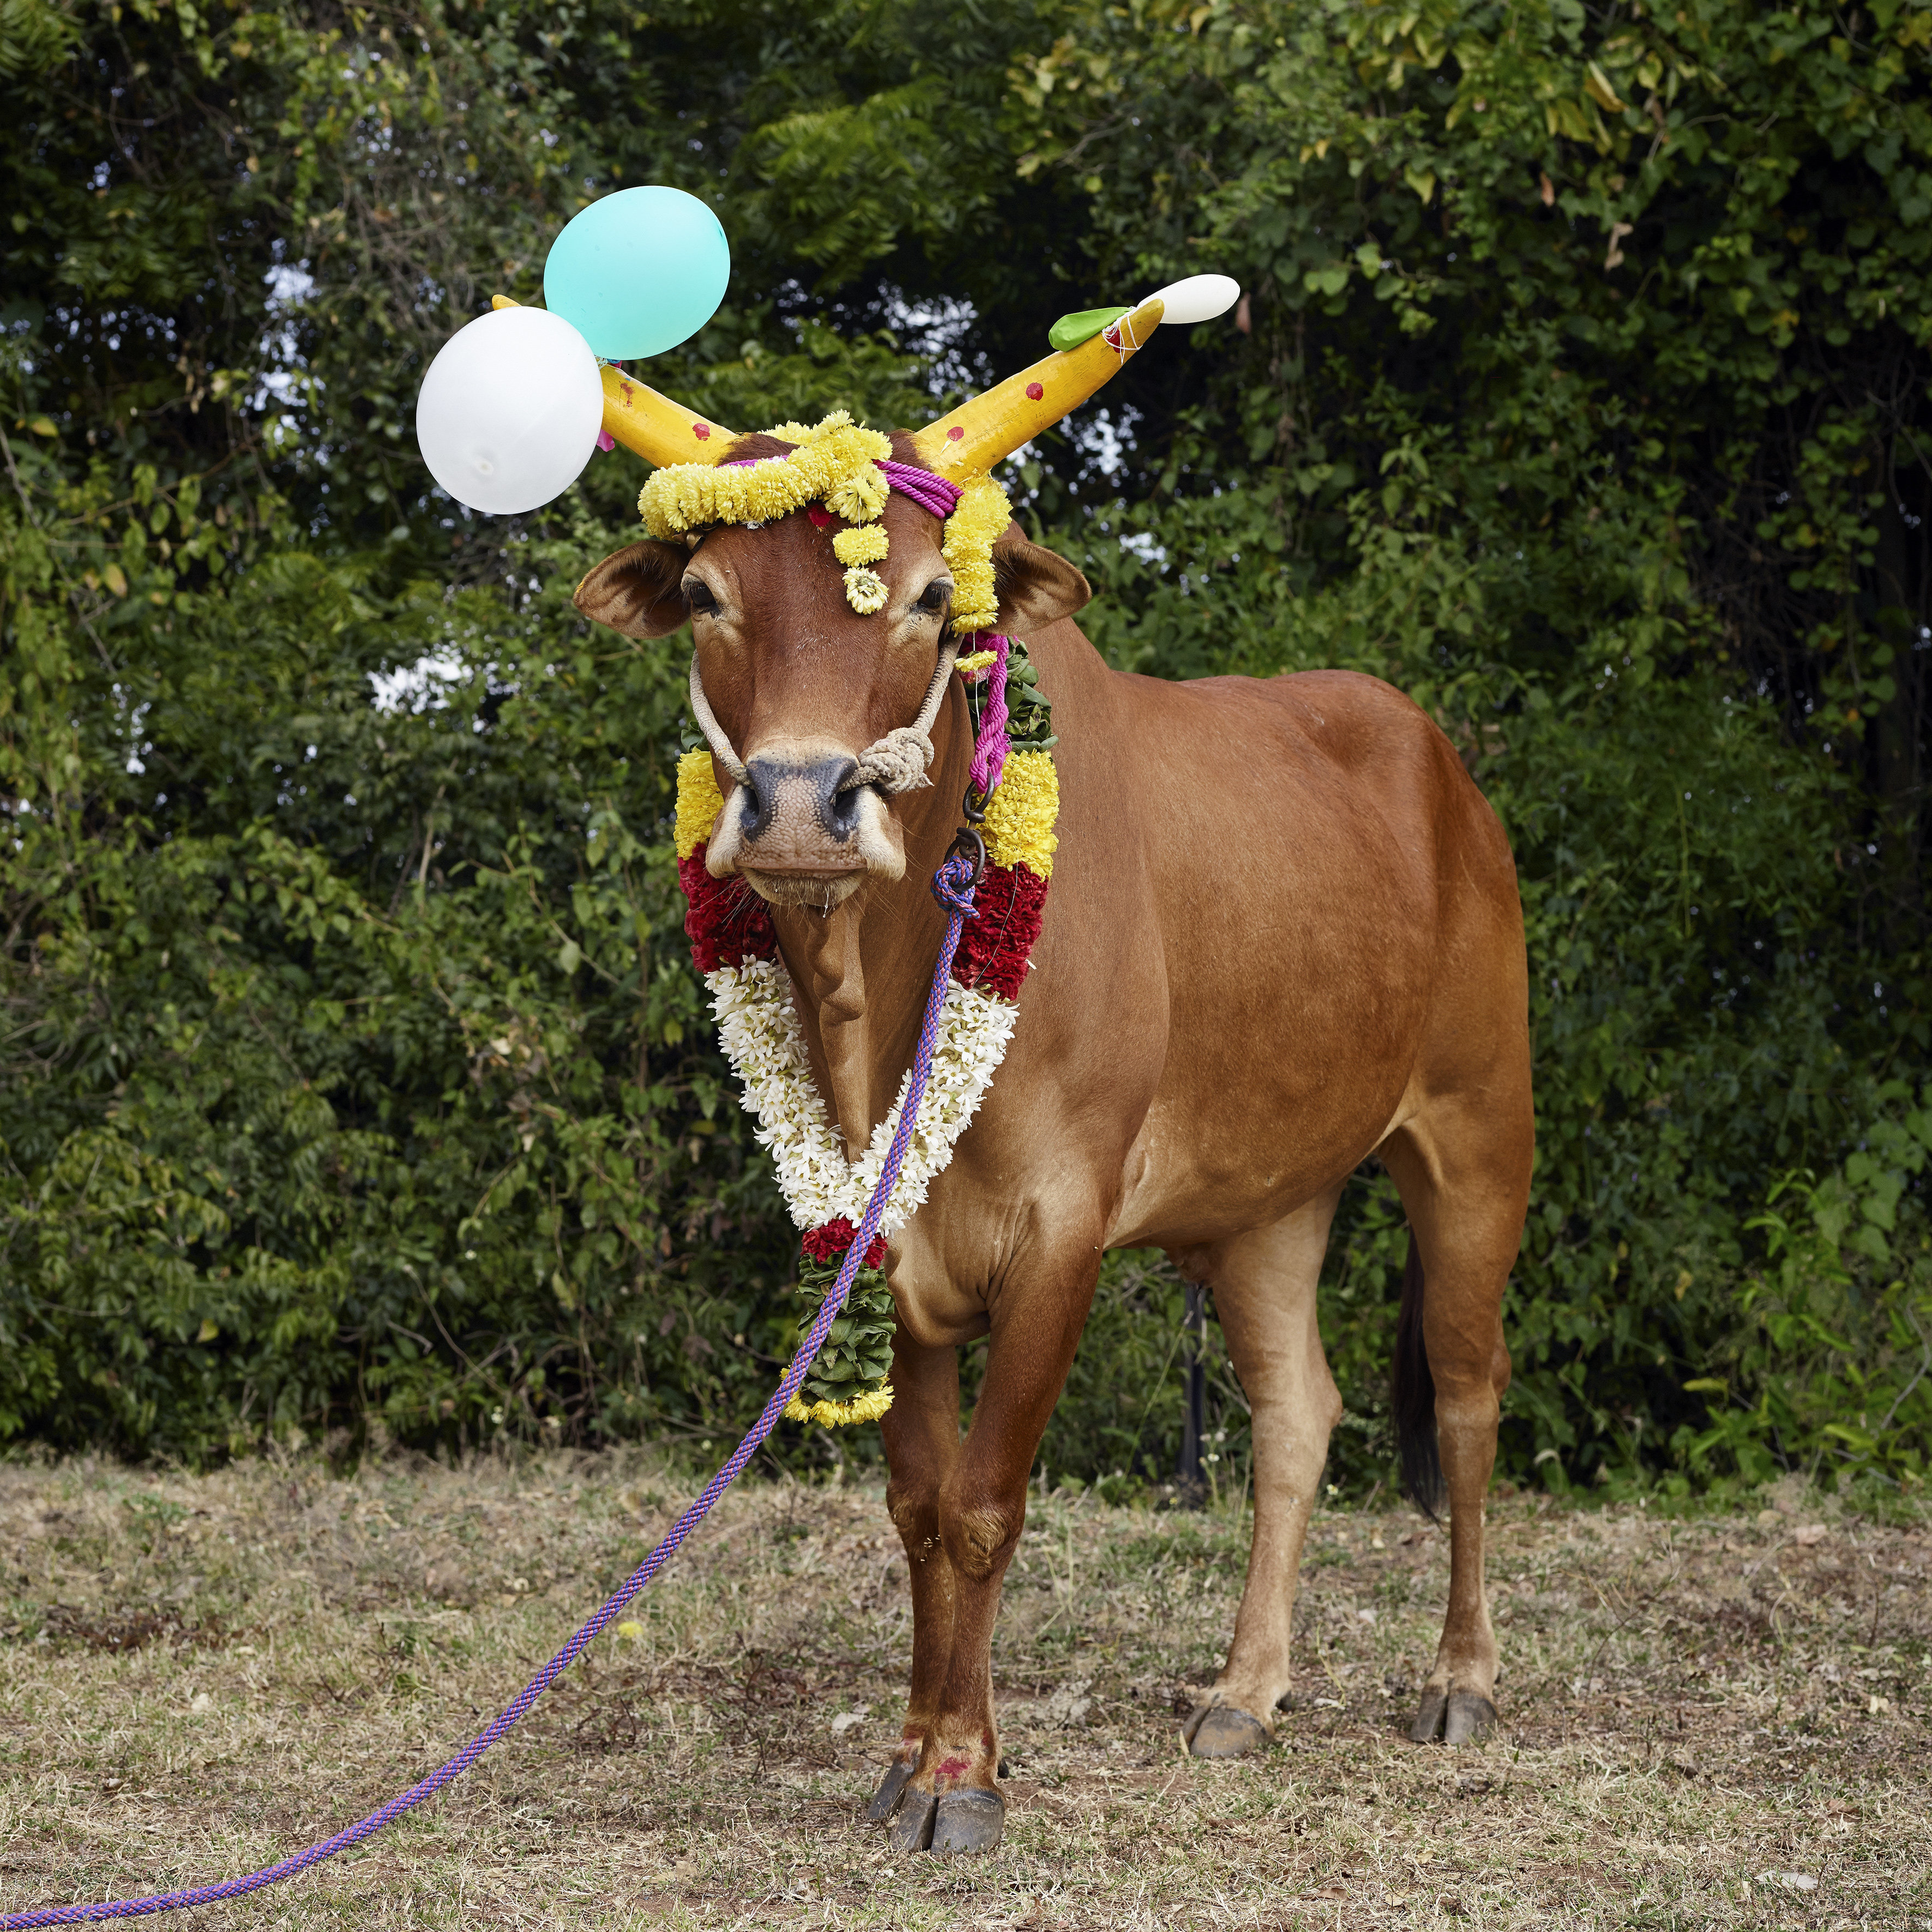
x=814, y=888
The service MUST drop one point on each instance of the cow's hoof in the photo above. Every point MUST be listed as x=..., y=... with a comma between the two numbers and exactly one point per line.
x=1428, y=1725
x=968, y=1821
x=886, y=1799
x=1472, y=1718
x=1223, y=1731
x=911, y=1828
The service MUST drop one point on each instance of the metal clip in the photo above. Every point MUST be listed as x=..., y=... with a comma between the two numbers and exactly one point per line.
x=968, y=844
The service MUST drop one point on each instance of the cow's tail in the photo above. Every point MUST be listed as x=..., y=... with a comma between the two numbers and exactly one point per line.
x=1415, y=1395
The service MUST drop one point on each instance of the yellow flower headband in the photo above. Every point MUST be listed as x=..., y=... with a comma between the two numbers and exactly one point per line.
x=851, y=472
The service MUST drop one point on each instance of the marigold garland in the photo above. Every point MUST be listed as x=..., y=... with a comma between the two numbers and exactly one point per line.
x=1021, y=814
x=736, y=948
x=971, y=531
x=699, y=801
x=835, y=463
x=862, y=543
x=866, y=1407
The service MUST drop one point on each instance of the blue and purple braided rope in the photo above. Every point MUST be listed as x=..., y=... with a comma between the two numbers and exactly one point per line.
x=952, y=886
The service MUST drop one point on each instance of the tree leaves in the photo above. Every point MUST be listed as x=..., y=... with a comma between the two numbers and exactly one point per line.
x=1580, y=389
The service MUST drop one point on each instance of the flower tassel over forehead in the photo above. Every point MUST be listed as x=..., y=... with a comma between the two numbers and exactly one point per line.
x=971, y=532
x=850, y=471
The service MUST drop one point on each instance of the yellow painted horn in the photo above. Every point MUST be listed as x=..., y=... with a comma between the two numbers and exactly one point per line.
x=978, y=434
x=650, y=425
x=655, y=427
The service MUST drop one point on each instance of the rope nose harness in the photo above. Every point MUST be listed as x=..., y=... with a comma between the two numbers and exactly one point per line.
x=898, y=761
x=952, y=885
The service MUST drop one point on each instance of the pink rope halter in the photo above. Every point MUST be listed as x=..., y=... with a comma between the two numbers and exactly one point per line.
x=931, y=493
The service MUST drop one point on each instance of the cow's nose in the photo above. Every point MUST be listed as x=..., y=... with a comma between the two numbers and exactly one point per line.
x=792, y=799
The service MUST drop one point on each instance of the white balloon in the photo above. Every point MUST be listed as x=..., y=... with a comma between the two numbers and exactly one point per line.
x=510, y=411
x=1198, y=298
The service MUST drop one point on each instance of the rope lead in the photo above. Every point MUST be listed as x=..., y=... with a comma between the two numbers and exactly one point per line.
x=952, y=886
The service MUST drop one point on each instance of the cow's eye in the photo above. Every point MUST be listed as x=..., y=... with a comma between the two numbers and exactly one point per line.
x=697, y=594
x=935, y=597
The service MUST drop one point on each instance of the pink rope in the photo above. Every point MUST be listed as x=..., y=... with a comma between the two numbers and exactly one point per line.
x=931, y=493
x=989, y=748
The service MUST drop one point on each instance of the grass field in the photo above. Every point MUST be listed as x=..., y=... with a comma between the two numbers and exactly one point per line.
x=1708, y=1721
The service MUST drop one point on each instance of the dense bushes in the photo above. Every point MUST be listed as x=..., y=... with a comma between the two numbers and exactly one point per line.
x=355, y=1074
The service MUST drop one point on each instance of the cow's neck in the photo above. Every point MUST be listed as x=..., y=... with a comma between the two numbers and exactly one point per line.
x=827, y=965
x=862, y=971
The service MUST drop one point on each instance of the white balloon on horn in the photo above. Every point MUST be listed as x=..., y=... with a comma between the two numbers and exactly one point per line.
x=1197, y=298
x=509, y=412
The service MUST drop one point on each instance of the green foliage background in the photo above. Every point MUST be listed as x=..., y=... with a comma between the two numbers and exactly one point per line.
x=356, y=1077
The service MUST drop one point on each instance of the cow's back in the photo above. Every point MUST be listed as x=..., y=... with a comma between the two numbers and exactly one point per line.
x=1276, y=865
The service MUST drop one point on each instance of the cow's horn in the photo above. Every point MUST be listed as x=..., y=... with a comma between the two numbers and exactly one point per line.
x=655, y=427
x=650, y=425
x=977, y=434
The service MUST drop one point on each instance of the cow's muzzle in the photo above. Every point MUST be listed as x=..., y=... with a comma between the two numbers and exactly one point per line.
x=793, y=808
x=802, y=832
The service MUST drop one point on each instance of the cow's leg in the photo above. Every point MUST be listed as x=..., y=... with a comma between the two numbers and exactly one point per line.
x=1264, y=1286
x=952, y=1801
x=921, y=1439
x=1463, y=1170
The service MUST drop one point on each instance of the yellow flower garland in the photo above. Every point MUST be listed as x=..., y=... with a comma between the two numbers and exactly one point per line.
x=971, y=531
x=699, y=801
x=863, y=543
x=835, y=463
x=866, y=1407
x=1021, y=813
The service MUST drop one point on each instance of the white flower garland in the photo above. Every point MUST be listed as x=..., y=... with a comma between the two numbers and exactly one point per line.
x=762, y=1036
x=758, y=1026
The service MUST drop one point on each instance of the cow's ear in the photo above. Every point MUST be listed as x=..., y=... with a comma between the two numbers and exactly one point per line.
x=1035, y=587
x=636, y=591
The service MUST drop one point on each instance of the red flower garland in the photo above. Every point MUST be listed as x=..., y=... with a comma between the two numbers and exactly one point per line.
x=727, y=923
x=828, y=1243
x=994, y=944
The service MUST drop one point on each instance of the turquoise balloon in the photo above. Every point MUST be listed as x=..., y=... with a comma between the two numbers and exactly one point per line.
x=639, y=272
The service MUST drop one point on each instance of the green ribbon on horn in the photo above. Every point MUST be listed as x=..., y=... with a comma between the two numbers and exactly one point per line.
x=1070, y=330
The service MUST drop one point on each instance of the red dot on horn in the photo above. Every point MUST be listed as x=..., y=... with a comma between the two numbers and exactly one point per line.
x=1034, y=392
x=702, y=431
x=954, y=434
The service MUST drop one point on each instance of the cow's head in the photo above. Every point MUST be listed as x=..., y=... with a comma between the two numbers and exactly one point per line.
x=800, y=681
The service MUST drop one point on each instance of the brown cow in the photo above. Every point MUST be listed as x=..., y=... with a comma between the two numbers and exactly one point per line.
x=1283, y=937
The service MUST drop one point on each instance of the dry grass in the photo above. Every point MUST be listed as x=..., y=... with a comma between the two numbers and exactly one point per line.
x=1708, y=1722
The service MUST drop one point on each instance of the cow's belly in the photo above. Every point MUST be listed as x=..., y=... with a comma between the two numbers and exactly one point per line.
x=1189, y=1180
